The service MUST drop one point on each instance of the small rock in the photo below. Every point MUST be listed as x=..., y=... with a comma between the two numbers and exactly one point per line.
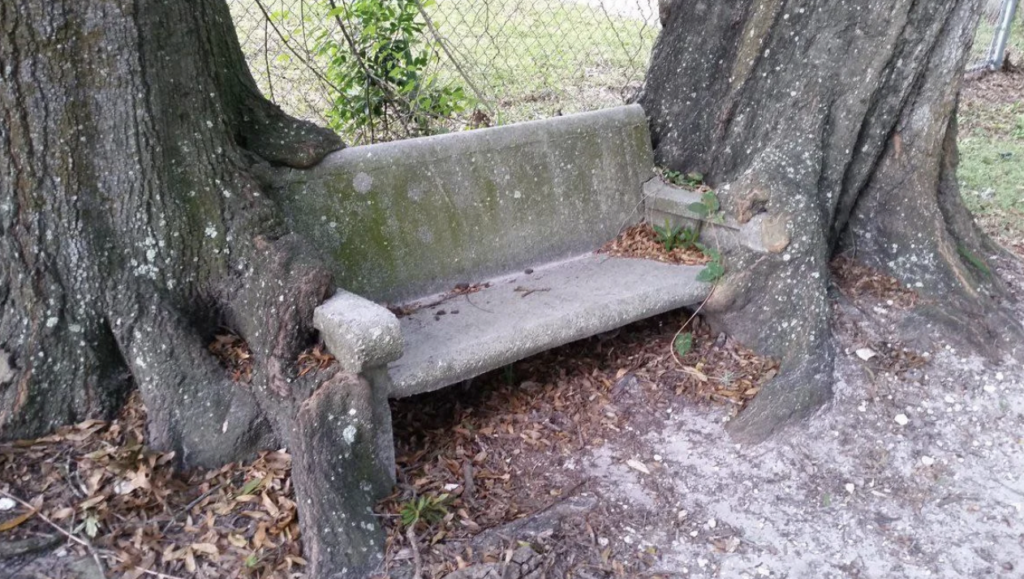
x=866, y=354
x=711, y=524
x=657, y=458
x=7, y=504
x=602, y=541
x=927, y=460
x=999, y=376
x=123, y=487
x=988, y=388
x=902, y=419
x=681, y=515
x=850, y=487
x=528, y=271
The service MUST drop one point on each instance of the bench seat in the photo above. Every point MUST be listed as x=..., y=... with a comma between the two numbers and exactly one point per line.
x=524, y=314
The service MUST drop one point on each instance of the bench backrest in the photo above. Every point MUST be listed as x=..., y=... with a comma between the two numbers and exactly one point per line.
x=409, y=218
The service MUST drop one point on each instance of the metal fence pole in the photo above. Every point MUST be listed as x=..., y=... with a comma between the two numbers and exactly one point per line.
x=997, y=52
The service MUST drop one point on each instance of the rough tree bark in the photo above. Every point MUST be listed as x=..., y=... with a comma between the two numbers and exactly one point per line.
x=838, y=119
x=135, y=221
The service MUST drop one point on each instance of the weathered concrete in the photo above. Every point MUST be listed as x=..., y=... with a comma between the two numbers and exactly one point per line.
x=664, y=202
x=522, y=315
x=404, y=219
x=360, y=333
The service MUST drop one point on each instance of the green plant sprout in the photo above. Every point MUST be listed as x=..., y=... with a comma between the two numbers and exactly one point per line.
x=428, y=510
x=675, y=237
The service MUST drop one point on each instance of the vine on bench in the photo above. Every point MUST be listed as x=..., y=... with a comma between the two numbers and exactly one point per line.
x=708, y=209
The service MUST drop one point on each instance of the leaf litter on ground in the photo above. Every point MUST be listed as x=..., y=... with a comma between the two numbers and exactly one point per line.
x=493, y=447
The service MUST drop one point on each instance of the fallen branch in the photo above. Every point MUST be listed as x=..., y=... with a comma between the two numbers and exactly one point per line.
x=189, y=506
x=86, y=544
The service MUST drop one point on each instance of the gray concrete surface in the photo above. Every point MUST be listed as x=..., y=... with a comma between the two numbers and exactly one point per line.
x=360, y=333
x=400, y=220
x=762, y=233
x=521, y=315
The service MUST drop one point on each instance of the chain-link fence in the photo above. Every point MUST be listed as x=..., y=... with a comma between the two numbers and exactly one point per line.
x=514, y=60
x=994, y=35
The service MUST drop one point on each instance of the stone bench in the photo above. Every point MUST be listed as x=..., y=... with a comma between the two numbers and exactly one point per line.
x=485, y=241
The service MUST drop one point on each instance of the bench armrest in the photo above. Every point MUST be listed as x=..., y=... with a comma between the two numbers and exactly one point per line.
x=358, y=332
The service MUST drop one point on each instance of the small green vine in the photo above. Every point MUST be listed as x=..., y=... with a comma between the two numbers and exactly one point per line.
x=707, y=209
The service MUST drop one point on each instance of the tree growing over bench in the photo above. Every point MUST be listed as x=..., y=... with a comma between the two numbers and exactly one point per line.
x=838, y=120
x=135, y=218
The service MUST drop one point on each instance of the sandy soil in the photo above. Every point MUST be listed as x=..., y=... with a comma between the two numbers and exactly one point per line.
x=916, y=476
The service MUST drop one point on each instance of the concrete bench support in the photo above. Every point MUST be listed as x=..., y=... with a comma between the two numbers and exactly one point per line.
x=364, y=337
x=402, y=221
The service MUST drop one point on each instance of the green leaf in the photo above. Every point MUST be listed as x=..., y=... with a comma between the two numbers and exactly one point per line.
x=711, y=272
x=699, y=208
x=683, y=343
x=250, y=486
x=710, y=200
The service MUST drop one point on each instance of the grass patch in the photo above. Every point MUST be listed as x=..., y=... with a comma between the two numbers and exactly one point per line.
x=537, y=59
x=991, y=171
x=992, y=160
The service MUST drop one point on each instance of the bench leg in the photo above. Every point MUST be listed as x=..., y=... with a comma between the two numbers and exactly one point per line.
x=343, y=463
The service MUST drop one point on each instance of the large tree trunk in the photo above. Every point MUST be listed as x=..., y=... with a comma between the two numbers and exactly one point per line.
x=838, y=120
x=133, y=224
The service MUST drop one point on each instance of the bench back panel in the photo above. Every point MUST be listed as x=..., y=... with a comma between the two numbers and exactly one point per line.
x=409, y=218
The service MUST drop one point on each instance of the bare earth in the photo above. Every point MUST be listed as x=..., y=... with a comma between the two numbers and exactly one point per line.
x=854, y=493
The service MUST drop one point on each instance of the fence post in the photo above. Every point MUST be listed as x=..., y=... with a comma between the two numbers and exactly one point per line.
x=997, y=51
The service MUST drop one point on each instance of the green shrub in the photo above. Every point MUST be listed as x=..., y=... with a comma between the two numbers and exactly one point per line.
x=380, y=72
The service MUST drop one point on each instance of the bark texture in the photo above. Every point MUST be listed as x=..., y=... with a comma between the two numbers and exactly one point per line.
x=838, y=120
x=134, y=148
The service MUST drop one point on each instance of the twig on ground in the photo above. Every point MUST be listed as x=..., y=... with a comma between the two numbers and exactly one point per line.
x=84, y=543
x=11, y=549
x=189, y=506
x=417, y=561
